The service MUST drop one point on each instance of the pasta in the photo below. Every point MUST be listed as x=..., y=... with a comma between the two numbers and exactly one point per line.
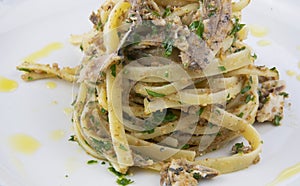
x=164, y=82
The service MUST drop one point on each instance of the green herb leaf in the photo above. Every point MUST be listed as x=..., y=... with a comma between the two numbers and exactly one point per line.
x=167, y=12
x=99, y=25
x=222, y=68
x=240, y=115
x=240, y=49
x=113, y=69
x=277, y=120
x=245, y=89
x=118, y=174
x=200, y=111
x=151, y=131
x=124, y=181
x=24, y=69
x=81, y=47
x=238, y=147
x=254, y=56
x=236, y=26
x=249, y=98
x=122, y=147
x=92, y=162
x=154, y=94
x=170, y=116
x=168, y=46
x=284, y=94
x=72, y=138
x=197, y=26
x=186, y=146
x=197, y=176
x=155, y=13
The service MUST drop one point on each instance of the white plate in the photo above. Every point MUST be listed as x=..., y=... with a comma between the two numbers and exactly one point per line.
x=27, y=26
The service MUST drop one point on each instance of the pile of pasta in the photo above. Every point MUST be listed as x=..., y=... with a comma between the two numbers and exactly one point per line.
x=156, y=84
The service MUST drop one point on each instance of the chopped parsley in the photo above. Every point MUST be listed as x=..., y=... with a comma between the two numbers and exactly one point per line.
x=277, y=120
x=92, y=162
x=124, y=181
x=240, y=115
x=168, y=46
x=113, y=69
x=249, y=98
x=103, y=110
x=170, y=116
x=222, y=68
x=151, y=131
x=155, y=13
x=245, y=89
x=274, y=69
x=196, y=175
x=122, y=147
x=238, y=147
x=200, y=111
x=236, y=26
x=115, y=172
x=240, y=49
x=72, y=138
x=154, y=94
x=254, y=56
x=197, y=26
x=284, y=94
x=81, y=47
x=99, y=25
x=186, y=146
x=167, y=12
x=24, y=69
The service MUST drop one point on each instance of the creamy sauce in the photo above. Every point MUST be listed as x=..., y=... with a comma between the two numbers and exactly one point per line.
x=68, y=111
x=44, y=52
x=264, y=43
x=23, y=143
x=51, y=85
x=7, y=85
x=291, y=73
x=258, y=31
x=57, y=135
x=286, y=174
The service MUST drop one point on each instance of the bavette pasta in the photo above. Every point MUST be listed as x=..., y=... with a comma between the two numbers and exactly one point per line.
x=164, y=82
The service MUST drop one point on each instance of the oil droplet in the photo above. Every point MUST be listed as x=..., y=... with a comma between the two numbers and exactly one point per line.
x=51, y=85
x=7, y=85
x=57, y=135
x=24, y=144
x=68, y=111
x=44, y=52
x=298, y=77
x=263, y=43
x=258, y=31
x=291, y=73
x=286, y=174
x=54, y=102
